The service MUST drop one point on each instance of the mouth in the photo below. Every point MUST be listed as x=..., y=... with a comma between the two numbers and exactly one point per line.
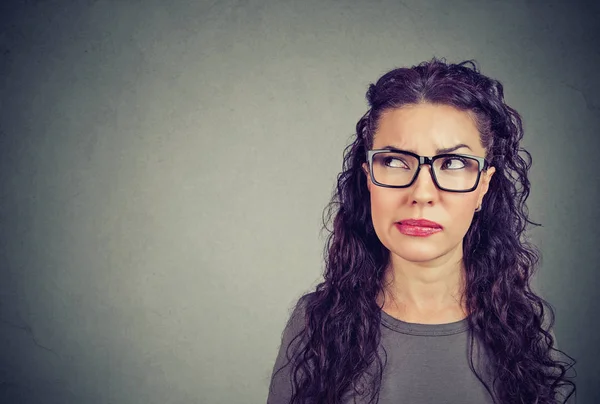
x=418, y=227
x=420, y=223
x=417, y=231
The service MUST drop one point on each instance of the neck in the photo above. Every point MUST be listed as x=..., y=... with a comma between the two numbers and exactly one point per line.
x=425, y=292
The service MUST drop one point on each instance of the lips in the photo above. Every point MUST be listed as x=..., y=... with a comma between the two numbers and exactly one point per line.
x=418, y=227
x=420, y=223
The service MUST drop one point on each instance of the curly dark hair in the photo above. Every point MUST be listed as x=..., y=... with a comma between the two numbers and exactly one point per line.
x=341, y=331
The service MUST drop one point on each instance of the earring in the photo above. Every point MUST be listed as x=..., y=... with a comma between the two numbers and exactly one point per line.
x=478, y=208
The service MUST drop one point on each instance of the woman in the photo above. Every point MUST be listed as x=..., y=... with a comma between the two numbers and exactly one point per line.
x=426, y=295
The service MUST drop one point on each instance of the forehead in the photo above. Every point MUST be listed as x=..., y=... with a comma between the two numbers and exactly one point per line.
x=424, y=128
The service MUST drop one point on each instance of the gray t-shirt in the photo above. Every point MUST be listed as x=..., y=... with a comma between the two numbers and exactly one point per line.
x=426, y=363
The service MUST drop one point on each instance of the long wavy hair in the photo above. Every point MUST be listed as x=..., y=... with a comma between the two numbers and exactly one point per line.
x=339, y=343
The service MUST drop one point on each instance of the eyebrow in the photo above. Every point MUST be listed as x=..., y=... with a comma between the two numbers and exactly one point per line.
x=438, y=151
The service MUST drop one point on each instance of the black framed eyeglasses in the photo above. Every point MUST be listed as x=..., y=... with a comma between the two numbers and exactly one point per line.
x=451, y=172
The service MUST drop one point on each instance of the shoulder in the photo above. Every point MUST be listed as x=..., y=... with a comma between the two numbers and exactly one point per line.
x=291, y=339
x=297, y=318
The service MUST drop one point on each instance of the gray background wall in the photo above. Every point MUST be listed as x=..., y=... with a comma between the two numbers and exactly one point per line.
x=164, y=166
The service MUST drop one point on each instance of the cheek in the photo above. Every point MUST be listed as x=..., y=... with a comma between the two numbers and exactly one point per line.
x=456, y=210
x=384, y=205
x=384, y=211
x=460, y=210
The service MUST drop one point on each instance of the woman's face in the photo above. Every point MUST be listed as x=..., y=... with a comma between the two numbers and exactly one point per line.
x=424, y=129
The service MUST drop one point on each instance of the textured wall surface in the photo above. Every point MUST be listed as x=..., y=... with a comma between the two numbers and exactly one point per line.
x=164, y=167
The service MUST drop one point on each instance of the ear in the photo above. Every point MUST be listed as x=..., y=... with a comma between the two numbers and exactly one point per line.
x=485, y=183
x=365, y=168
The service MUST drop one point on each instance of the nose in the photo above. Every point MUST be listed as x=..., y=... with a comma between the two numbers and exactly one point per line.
x=424, y=190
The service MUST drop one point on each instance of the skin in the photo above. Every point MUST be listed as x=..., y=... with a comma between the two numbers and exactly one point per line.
x=425, y=276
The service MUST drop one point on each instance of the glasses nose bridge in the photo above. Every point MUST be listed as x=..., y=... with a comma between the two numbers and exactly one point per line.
x=422, y=161
x=426, y=160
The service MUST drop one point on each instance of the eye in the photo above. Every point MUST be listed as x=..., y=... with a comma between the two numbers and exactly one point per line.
x=454, y=163
x=395, y=162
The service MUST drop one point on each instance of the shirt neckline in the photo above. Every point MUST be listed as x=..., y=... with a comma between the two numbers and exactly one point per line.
x=403, y=327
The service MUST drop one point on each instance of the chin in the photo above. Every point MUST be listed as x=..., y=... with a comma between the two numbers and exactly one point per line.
x=417, y=253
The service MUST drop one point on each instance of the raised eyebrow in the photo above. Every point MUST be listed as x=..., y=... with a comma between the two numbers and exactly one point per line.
x=438, y=151
x=453, y=148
